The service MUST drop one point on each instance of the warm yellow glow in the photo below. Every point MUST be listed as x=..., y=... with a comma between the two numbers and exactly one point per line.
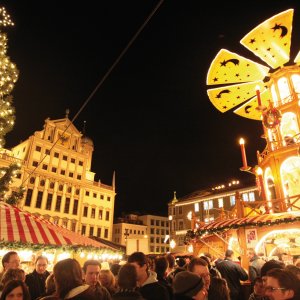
x=190, y=249
x=259, y=171
x=189, y=215
x=170, y=218
x=242, y=141
x=172, y=244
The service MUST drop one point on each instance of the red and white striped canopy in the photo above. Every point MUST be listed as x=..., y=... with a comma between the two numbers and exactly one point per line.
x=20, y=226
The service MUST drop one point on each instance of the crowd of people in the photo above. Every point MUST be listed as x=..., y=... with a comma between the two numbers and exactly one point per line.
x=159, y=278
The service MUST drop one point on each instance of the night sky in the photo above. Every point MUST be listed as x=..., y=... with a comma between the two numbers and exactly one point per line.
x=151, y=120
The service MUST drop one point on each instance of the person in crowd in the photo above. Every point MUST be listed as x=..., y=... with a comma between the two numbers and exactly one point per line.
x=218, y=289
x=50, y=288
x=69, y=282
x=269, y=265
x=213, y=271
x=12, y=274
x=255, y=265
x=171, y=263
x=179, y=265
x=160, y=268
x=188, y=285
x=115, y=268
x=294, y=269
x=199, y=266
x=258, y=290
x=15, y=289
x=108, y=280
x=36, y=280
x=91, y=276
x=233, y=273
x=297, y=262
x=10, y=260
x=127, y=284
x=148, y=284
x=282, y=284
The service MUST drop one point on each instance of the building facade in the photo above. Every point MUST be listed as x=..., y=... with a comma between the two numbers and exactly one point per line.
x=158, y=233
x=60, y=186
x=205, y=206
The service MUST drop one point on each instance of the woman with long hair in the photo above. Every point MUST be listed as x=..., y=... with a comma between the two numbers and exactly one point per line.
x=15, y=289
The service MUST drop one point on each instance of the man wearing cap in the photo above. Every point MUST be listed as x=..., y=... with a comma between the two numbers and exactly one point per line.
x=188, y=285
x=149, y=286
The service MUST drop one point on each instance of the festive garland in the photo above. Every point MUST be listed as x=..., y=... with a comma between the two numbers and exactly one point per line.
x=271, y=118
x=17, y=245
x=192, y=235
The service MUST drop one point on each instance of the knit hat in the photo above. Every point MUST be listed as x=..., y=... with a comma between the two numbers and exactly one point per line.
x=269, y=265
x=187, y=283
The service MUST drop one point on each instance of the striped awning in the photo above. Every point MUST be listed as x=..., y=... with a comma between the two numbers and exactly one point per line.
x=275, y=218
x=20, y=226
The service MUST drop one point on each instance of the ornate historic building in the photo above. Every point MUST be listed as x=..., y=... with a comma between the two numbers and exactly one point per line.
x=60, y=186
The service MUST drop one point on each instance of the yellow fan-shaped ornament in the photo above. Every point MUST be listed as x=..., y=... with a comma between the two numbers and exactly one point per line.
x=228, y=67
x=227, y=97
x=271, y=40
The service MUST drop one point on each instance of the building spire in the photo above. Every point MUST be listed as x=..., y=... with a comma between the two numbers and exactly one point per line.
x=114, y=181
x=67, y=113
x=174, y=198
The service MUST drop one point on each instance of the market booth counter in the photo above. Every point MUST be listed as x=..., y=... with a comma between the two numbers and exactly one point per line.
x=31, y=236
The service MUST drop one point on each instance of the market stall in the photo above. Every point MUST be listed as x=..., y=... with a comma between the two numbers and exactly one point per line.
x=271, y=235
x=32, y=236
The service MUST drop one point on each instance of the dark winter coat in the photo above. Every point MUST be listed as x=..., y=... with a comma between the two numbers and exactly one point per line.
x=36, y=283
x=127, y=295
x=233, y=273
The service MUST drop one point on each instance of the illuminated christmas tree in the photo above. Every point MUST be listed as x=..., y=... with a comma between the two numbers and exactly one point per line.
x=8, y=77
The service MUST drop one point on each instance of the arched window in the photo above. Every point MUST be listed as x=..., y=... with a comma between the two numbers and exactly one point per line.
x=289, y=128
x=285, y=93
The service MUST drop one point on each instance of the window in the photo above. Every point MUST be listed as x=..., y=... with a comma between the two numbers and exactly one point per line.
x=47, y=152
x=196, y=206
x=85, y=211
x=63, y=172
x=152, y=222
x=73, y=160
x=152, y=231
x=32, y=180
x=42, y=183
x=91, y=231
x=79, y=177
x=69, y=189
x=54, y=169
x=157, y=231
x=38, y=148
x=232, y=200
x=93, y=213
x=157, y=222
x=35, y=163
x=94, y=195
x=49, y=201
x=100, y=217
x=180, y=225
x=45, y=167
x=28, y=197
x=99, y=232
x=108, y=198
x=65, y=223
x=106, y=233
x=39, y=199
x=71, y=174
x=75, y=207
x=80, y=163
x=56, y=154
x=208, y=204
x=107, y=216
x=157, y=240
x=73, y=226
x=101, y=197
x=51, y=185
x=87, y=193
x=245, y=197
x=65, y=157
x=77, y=191
x=251, y=196
x=162, y=223
x=152, y=240
x=67, y=205
x=83, y=229
x=220, y=202
x=61, y=187
x=180, y=210
x=58, y=203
